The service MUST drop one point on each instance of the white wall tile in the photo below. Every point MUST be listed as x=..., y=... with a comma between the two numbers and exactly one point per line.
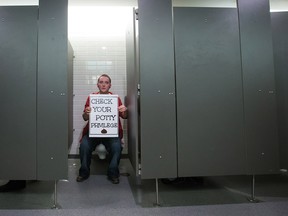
x=93, y=57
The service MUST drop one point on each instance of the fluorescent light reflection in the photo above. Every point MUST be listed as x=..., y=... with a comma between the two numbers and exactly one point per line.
x=97, y=21
x=18, y=2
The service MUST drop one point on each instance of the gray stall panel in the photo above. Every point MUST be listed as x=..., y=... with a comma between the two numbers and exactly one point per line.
x=18, y=56
x=52, y=97
x=132, y=92
x=70, y=94
x=280, y=41
x=259, y=86
x=157, y=97
x=209, y=92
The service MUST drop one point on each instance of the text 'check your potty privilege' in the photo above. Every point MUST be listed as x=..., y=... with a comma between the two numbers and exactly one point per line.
x=103, y=121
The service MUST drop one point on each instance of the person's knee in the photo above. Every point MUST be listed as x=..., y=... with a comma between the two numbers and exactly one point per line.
x=116, y=148
x=84, y=146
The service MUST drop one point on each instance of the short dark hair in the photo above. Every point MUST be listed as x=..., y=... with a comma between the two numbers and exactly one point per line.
x=104, y=75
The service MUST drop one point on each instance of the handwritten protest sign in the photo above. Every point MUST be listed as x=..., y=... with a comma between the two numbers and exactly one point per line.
x=103, y=120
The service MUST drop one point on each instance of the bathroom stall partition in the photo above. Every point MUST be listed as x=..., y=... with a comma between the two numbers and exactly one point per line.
x=280, y=47
x=18, y=56
x=36, y=91
x=207, y=95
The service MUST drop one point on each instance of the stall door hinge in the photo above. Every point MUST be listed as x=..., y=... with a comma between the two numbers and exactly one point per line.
x=138, y=89
x=139, y=169
x=136, y=14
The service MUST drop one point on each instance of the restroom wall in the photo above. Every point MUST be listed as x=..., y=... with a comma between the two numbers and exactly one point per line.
x=99, y=47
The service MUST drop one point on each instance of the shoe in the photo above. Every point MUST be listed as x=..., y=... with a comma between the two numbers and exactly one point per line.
x=13, y=185
x=81, y=178
x=114, y=180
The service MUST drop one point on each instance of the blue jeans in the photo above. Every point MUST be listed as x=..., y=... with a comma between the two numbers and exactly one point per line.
x=88, y=145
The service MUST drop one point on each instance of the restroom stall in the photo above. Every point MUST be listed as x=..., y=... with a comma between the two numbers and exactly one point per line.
x=36, y=91
x=207, y=95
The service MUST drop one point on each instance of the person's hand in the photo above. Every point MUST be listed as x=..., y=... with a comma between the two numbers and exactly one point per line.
x=87, y=110
x=123, y=111
x=86, y=113
x=122, y=108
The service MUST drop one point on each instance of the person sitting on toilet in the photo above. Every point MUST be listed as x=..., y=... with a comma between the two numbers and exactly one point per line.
x=112, y=144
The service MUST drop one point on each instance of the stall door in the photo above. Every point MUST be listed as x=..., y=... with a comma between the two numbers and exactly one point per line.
x=210, y=115
x=18, y=57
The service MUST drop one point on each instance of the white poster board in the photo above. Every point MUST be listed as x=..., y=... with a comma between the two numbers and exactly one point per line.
x=103, y=120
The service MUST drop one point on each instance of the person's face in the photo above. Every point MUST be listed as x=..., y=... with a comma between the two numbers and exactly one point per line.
x=104, y=85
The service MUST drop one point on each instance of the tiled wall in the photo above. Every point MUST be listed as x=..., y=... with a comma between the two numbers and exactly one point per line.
x=95, y=55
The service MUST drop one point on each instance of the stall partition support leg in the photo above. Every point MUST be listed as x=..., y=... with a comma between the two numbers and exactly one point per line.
x=157, y=193
x=252, y=198
x=55, y=205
